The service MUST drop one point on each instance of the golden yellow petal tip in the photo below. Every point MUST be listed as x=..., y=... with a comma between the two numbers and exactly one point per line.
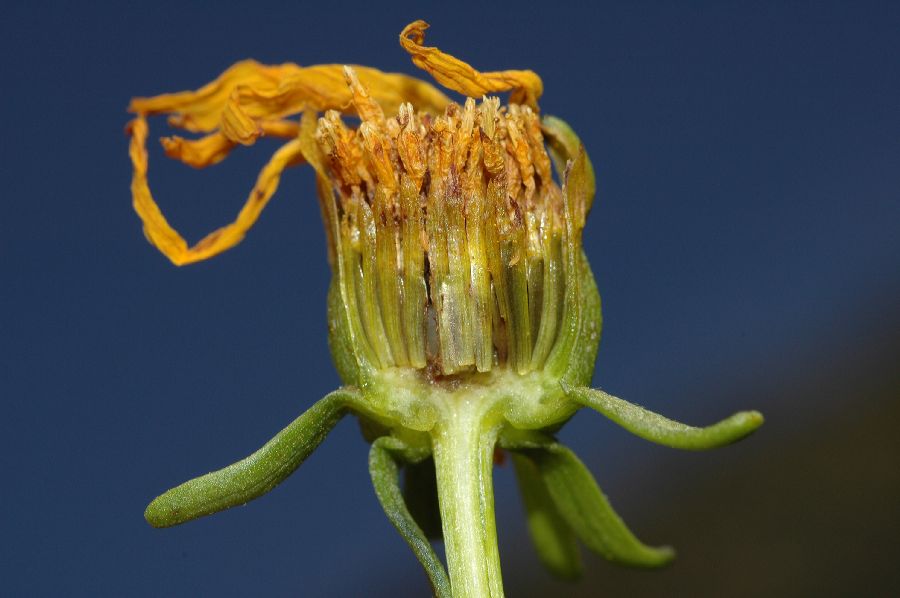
x=525, y=86
x=415, y=32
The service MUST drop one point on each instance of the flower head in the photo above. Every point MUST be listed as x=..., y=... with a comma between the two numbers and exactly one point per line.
x=462, y=313
x=447, y=232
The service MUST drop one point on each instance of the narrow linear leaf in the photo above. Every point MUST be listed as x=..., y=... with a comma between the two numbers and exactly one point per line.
x=386, y=480
x=554, y=540
x=421, y=496
x=661, y=430
x=587, y=511
x=257, y=474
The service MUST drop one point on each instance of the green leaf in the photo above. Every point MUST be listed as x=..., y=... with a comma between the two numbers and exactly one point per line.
x=257, y=474
x=554, y=540
x=421, y=496
x=385, y=477
x=656, y=428
x=588, y=512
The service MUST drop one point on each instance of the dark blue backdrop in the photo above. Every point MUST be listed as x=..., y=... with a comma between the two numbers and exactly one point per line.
x=745, y=240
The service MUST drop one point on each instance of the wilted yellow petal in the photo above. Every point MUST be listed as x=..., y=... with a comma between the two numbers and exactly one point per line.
x=452, y=73
x=215, y=147
x=324, y=87
x=200, y=111
x=250, y=92
x=167, y=239
x=199, y=153
x=280, y=128
x=237, y=126
x=249, y=100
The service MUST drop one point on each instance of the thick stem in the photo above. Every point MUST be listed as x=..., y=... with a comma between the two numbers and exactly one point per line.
x=463, y=444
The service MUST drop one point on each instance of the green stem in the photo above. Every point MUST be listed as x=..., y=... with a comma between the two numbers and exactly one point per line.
x=463, y=444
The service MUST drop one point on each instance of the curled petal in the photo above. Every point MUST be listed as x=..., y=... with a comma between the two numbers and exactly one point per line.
x=324, y=87
x=236, y=125
x=247, y=101
x=199, y=153
x=249, y=92
x=167, y=239
x=200, y=111
x=453, y=73
x=215, y=147
x=287, y=129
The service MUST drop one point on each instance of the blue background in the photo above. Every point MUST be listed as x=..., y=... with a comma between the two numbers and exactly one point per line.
x=745, y=241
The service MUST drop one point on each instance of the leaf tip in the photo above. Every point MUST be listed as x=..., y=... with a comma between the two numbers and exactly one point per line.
x=157, y=514
x=748, y=422
x=166, y=510
x=667, y=554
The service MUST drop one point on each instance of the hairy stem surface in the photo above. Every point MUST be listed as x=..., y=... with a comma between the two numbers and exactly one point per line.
x=463, y=444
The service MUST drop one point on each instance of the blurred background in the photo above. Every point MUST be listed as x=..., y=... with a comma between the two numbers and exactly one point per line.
x=744, y=238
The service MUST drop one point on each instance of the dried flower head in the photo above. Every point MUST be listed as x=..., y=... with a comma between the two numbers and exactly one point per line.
x=463, y=315
x=449, y=235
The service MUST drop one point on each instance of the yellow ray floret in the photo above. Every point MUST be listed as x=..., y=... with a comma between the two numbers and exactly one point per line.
x=167, y=239
x=250, y=100
x=215, y=147
x=200, y=111
x=452, y=73
x=323, y=87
